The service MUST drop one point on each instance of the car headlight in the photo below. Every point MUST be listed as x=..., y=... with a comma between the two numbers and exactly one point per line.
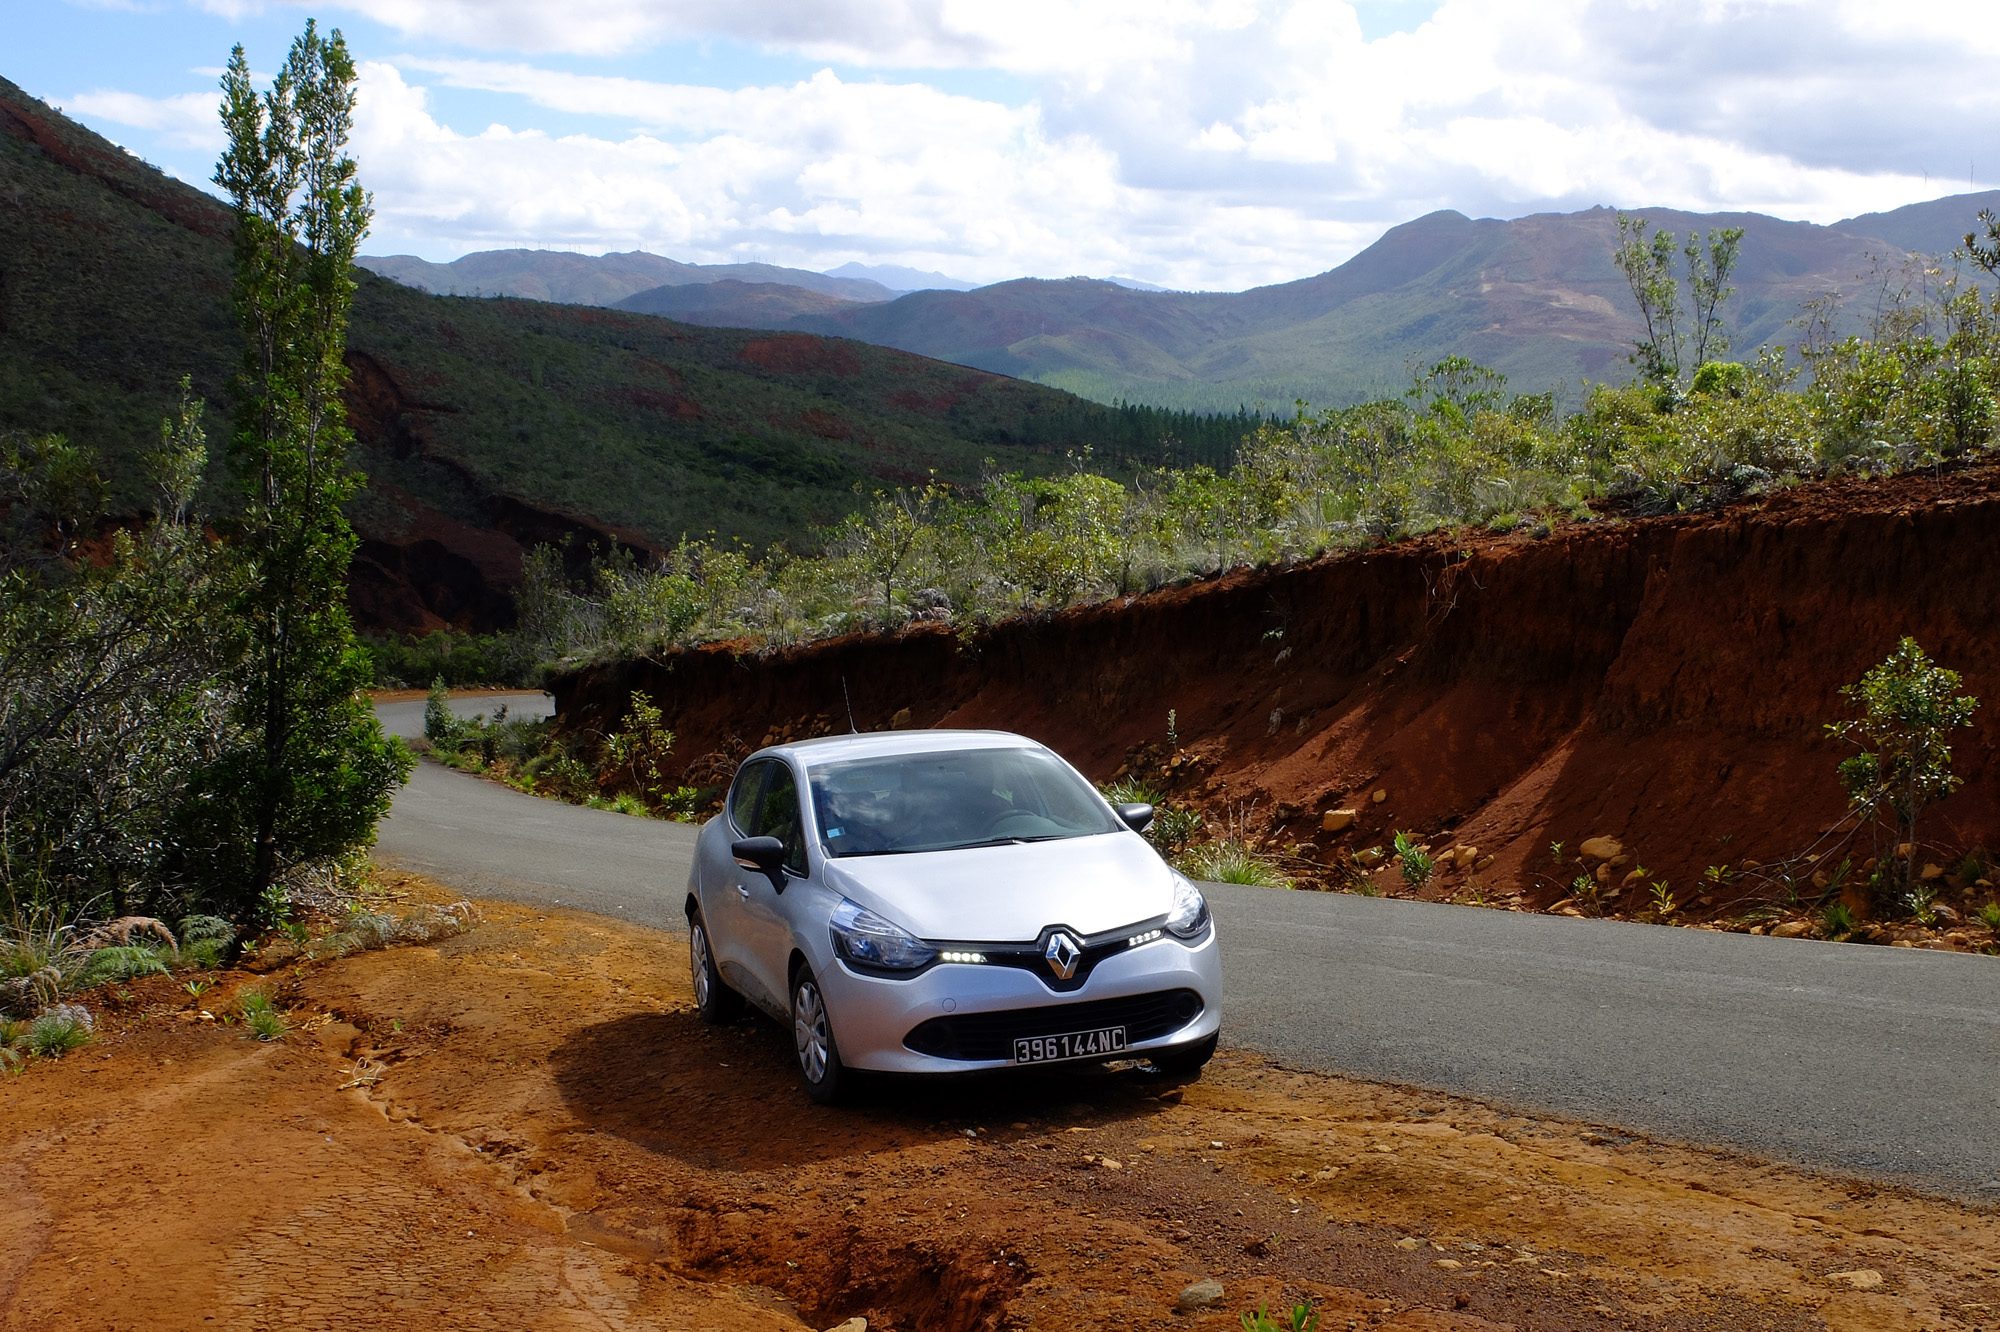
x=1190, y=914
x=859, y=935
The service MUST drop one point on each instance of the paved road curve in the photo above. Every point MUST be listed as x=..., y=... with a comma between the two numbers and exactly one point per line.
x=1866, y=1060
x=488, y=840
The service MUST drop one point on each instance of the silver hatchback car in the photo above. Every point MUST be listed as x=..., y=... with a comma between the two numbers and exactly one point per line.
x=946, y=902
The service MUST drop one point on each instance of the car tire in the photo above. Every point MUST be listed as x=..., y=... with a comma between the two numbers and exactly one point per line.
x=826, y=1078
x=713, y=998
x=1183, y=1061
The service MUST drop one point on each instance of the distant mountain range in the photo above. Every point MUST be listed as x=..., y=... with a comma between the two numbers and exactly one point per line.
x=900, y=279
x=1537, y=297
x=585, y=279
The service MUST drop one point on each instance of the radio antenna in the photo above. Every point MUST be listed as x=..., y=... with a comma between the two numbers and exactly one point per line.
x=852, y=729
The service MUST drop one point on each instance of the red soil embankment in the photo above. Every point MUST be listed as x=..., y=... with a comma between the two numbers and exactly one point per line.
x=1665, y=681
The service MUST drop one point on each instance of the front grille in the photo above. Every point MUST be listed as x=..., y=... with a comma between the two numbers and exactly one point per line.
x=985, y=1036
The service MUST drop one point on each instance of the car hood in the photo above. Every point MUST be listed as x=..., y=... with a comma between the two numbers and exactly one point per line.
x=1008, y=894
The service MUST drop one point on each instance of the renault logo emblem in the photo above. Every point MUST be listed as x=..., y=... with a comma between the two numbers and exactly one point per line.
x=1063, y=953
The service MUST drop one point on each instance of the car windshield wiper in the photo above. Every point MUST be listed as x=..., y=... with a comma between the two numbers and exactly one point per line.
x=955, y=846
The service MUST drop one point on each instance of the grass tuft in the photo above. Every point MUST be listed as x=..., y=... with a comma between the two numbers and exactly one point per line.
x=61, y=1029
x=261, y=1016
x=1230, y=861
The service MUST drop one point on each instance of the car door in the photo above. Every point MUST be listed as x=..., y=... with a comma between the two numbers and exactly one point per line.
x=767, y=934
x=727, y=885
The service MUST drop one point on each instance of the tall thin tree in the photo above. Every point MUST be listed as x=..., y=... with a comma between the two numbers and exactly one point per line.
x=1648, y=266
x=1710, y=261
x=316, y=772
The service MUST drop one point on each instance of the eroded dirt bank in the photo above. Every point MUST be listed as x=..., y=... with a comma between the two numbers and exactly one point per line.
x=526, y=1126
x=1664, y=681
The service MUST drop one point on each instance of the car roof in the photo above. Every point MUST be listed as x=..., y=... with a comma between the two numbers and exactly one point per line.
x=877, y=744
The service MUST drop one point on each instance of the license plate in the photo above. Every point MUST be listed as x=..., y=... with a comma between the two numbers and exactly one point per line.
x=1073, y=1045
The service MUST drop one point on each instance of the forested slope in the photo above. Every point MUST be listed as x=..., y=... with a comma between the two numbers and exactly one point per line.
x=488, y=425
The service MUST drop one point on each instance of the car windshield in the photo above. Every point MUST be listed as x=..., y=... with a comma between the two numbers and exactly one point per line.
x=951, y=801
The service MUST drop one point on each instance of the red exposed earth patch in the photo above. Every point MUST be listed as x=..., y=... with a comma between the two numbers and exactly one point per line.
x=801, y=354
x=1665, y=681
x=824, y=424
x=668, y=404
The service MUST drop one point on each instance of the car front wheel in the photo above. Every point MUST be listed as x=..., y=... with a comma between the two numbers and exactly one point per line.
x=812, y=1035
x=713, y=998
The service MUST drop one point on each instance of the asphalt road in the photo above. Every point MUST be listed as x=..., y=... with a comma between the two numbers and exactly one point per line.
x=491, y=841
x=1856, y=1060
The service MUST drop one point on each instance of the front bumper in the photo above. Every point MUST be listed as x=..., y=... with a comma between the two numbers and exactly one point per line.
x=872, y=1016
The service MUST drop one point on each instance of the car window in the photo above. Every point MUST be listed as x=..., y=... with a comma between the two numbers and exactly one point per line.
x=743, y=798
x=948, y=801
x=778, y=816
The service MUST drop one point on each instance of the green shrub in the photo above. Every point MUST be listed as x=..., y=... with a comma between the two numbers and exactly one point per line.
x=1418, y=867
x=1174, y=827
x=1989, y=915
x=205, y=941
x=459, y=660
x=1910, y=707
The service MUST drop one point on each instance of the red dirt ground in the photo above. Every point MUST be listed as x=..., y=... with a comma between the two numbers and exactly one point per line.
x=527, y=1126
x=1664, y=681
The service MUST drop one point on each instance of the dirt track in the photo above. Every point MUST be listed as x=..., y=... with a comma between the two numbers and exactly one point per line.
x=527, y=1126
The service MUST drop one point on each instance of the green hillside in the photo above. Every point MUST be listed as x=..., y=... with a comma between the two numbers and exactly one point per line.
x=114, y=282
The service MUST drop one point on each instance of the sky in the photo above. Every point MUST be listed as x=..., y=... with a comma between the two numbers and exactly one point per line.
x=1202, y=144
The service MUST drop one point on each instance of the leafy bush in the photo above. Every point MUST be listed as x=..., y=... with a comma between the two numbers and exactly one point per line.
x=459, y=660
x=1989, y=915
x=1418, y=867
x=1174, y=827
x=205, y=940
x=508, y=747
x=1910, y=707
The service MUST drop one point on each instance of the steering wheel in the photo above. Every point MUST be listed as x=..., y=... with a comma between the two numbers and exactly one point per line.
x=1015, y=823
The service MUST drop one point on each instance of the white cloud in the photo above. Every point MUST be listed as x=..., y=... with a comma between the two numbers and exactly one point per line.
x=1190, y=142
x=191, y=120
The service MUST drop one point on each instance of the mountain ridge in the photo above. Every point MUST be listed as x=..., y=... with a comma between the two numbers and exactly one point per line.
x=582, y=279
x=1536, y=297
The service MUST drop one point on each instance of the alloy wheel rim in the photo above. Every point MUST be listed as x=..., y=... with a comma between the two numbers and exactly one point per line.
x=698, y=955
x=809, y=1031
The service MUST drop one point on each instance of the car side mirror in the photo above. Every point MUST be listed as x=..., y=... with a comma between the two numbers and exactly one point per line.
x=1137, y=817
x=766, y=855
